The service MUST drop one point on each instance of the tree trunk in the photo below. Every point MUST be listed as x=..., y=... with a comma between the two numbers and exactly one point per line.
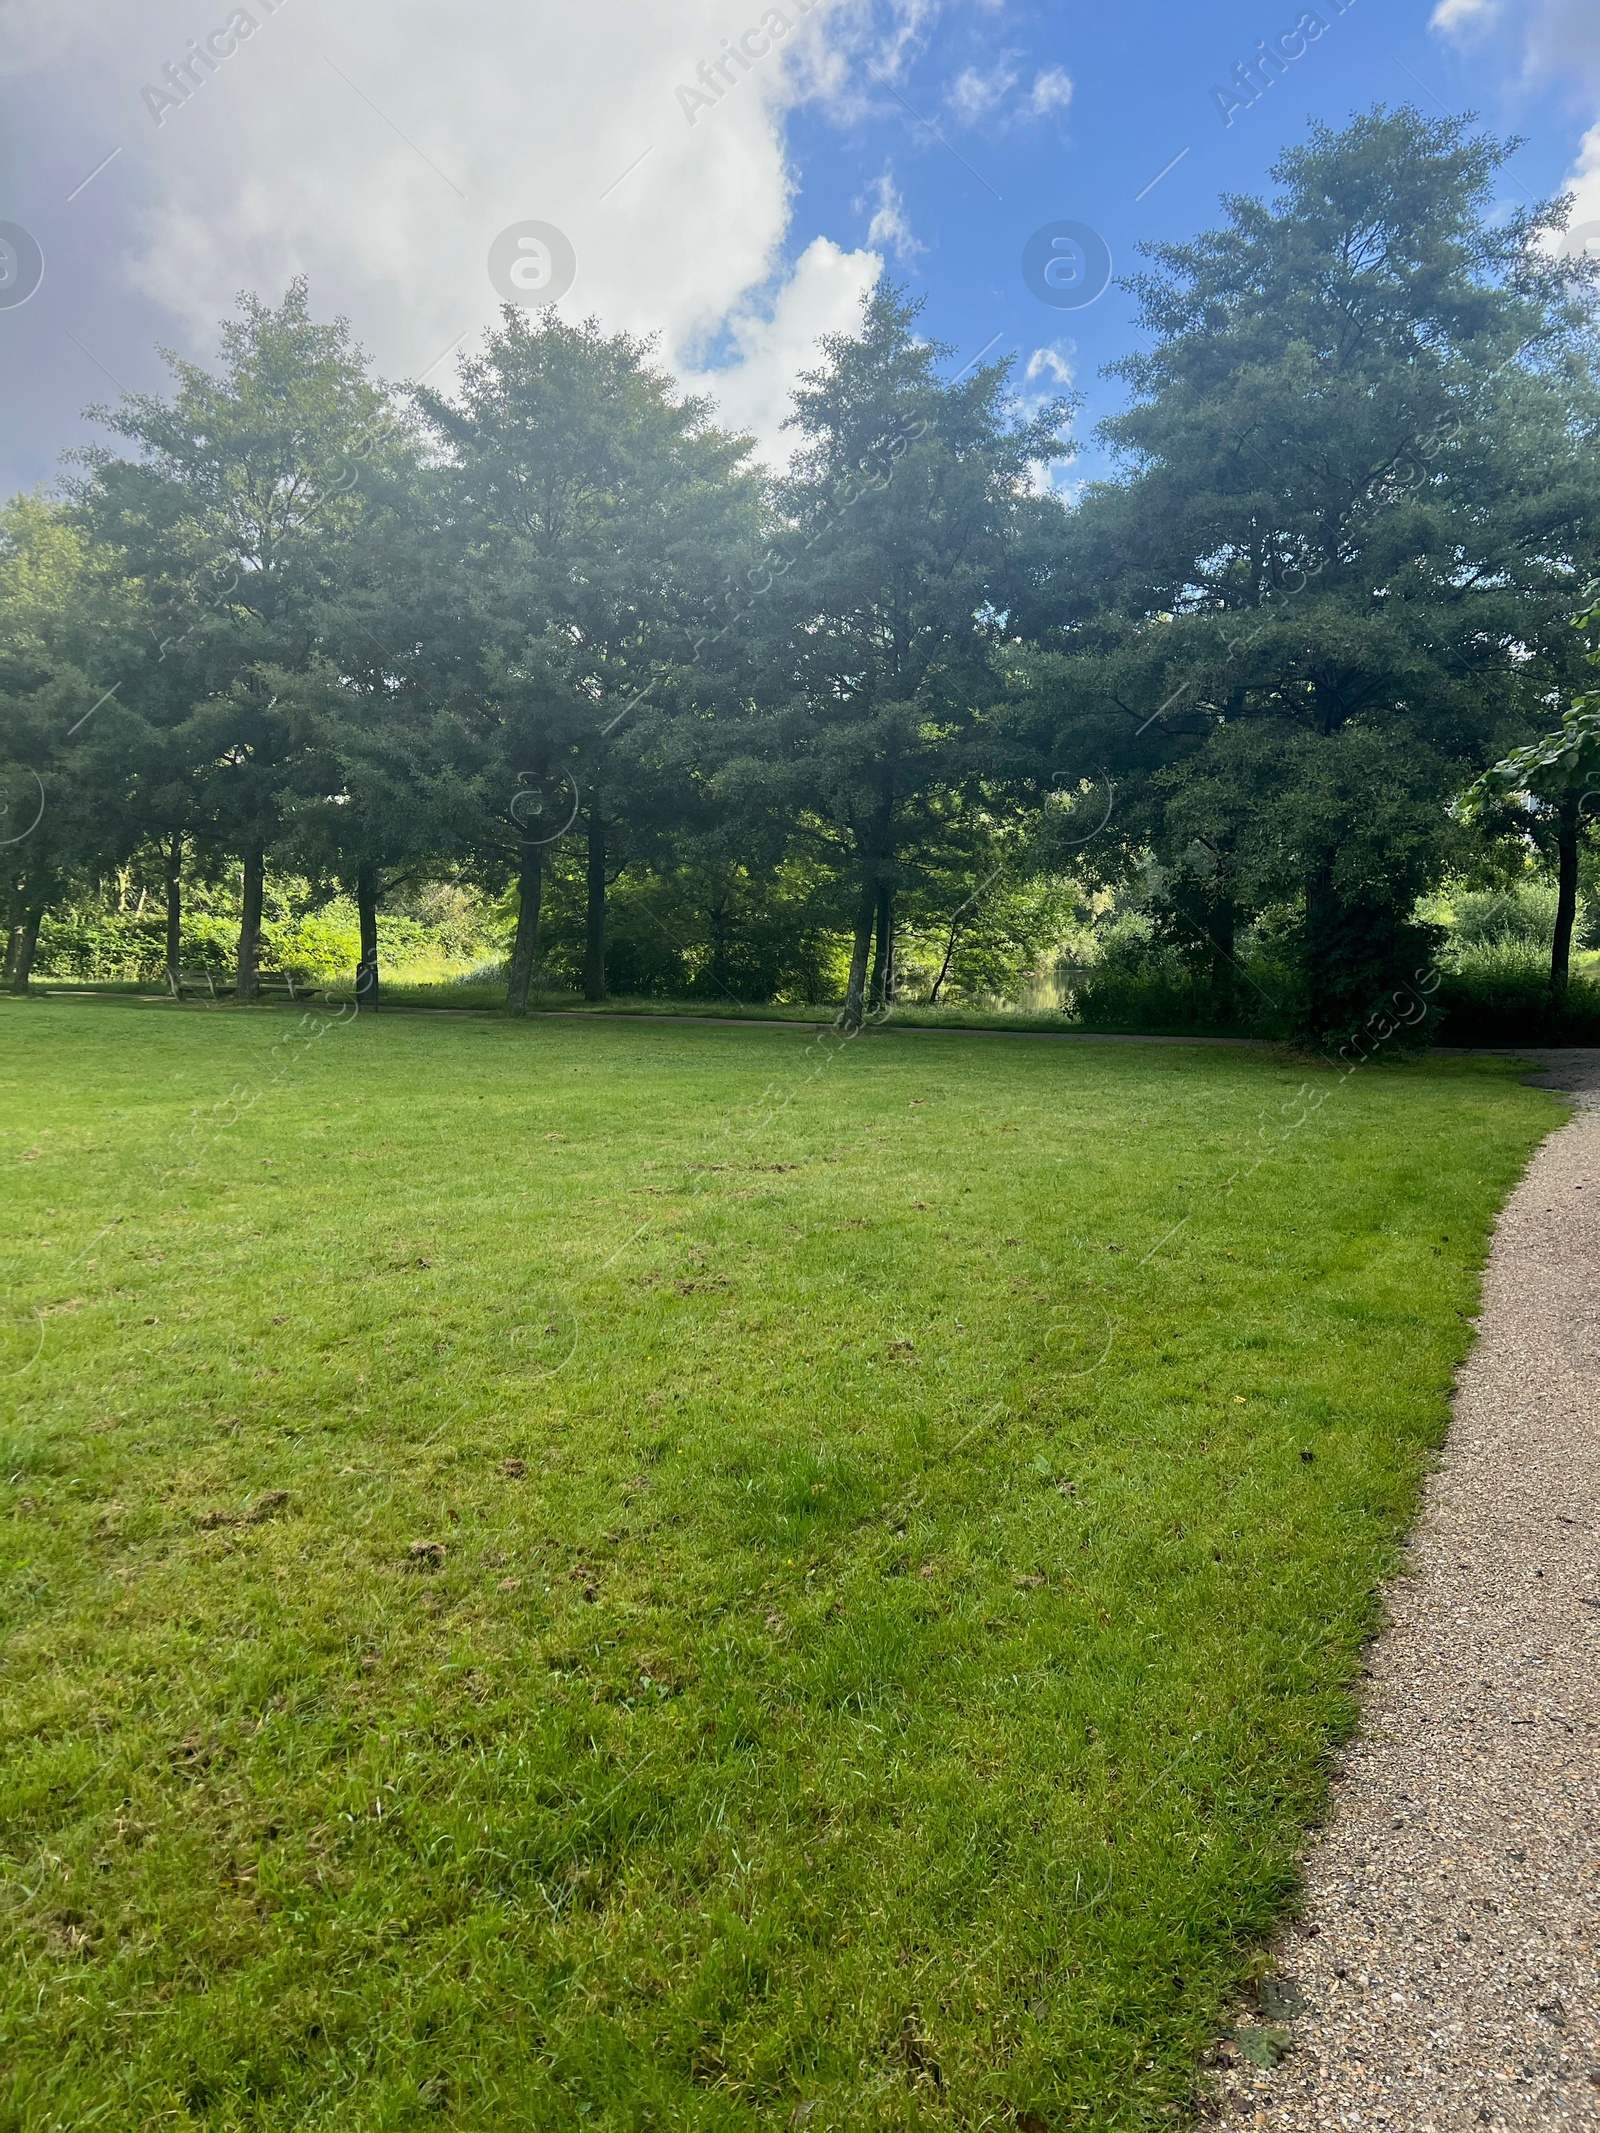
x=594, y=954
x=855, y=992
x=525, y=949
x=944, y=967
x=1566, y=892
x=174, y=856
x=248, y=982
x=1224, y=962
x=881, y=988
x=20, y=948
x=717, y=925
x=367, y=918
x=1321, y=926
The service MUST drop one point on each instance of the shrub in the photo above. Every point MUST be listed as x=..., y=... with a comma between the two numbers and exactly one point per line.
x=1505, y=999
x=317, y=944
x=1525, y=915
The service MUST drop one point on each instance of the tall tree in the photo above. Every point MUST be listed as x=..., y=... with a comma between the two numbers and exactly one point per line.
x=1357, y=491
x=1551, y=788
x=236, y=519
x=66, y=744
x=898, y=565
x=592, y=512
x=387, y=789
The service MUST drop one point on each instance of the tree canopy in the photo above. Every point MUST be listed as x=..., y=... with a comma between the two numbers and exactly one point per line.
x=556, y=636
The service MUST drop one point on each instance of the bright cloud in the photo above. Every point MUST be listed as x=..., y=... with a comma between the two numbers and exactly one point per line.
x=904, y=28
x=1558, y=38
x=1583, y=226
x=976, y=93
x=1048, y=373
x=1051, y=91
x=771, y=344
x=1053, y=362
x=889, y=225
x=1563, y=40
x=1456, y=17
x=379, y=146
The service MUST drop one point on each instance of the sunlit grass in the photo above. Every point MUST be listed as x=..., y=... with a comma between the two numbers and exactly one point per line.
x=595, y=1574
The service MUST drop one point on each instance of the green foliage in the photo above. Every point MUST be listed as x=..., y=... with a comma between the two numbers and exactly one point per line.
x=63, y=749
x=1362, y=460
x=737, y=736
x=1525, y=915
x=1137, y=985
x=1567, y=760
x=709, y=931
x=119, y=934
x=589, y=516
x=898, y=556
x=1503, y=997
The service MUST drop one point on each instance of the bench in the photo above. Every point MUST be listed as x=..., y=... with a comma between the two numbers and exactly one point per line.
x=216, y=985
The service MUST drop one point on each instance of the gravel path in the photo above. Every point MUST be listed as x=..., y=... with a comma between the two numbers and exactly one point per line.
x=1445, y=1973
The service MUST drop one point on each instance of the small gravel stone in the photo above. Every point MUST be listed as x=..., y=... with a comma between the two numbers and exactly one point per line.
x=1447, y=1957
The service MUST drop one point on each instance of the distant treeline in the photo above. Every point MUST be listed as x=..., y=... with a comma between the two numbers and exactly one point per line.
x=822, y=729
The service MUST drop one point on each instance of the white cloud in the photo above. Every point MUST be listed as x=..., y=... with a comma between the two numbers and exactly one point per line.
x=974, y=94
x=1559, y=41
x=1563, y=41
x=1455, y=18
x=771, y=345
x=896, y=42
x=1053, y=362
x=977, y=93
x=378, y=146
x=909, y=20
x=889, y=225
x=1048, y=373
x=1583, y=182
x=1051, y=91
x=870, y=45
x=1559, y=38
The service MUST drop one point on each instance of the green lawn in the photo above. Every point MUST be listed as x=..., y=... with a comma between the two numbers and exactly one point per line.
x=549, y=1584
x=462, y=996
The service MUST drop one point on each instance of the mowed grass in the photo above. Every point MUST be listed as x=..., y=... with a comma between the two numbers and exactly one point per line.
x=878, y=1632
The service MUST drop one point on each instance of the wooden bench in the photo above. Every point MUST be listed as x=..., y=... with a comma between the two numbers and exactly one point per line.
x=216, y=985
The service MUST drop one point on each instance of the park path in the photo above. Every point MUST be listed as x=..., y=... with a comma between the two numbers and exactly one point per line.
x=1445, y=1973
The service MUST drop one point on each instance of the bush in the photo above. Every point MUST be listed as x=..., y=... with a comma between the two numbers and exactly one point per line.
x=1139, y=982
x=316, y=944
x=1161, y=992
x=112, y=947
x=116, y=946
x=696, y=932
x=1524, y=916
x=1505, y=999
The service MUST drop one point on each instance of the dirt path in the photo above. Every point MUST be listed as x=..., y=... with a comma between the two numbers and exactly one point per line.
x=1446, y=1974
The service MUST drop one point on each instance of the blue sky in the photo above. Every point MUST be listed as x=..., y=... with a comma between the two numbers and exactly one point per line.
x=381, y=147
